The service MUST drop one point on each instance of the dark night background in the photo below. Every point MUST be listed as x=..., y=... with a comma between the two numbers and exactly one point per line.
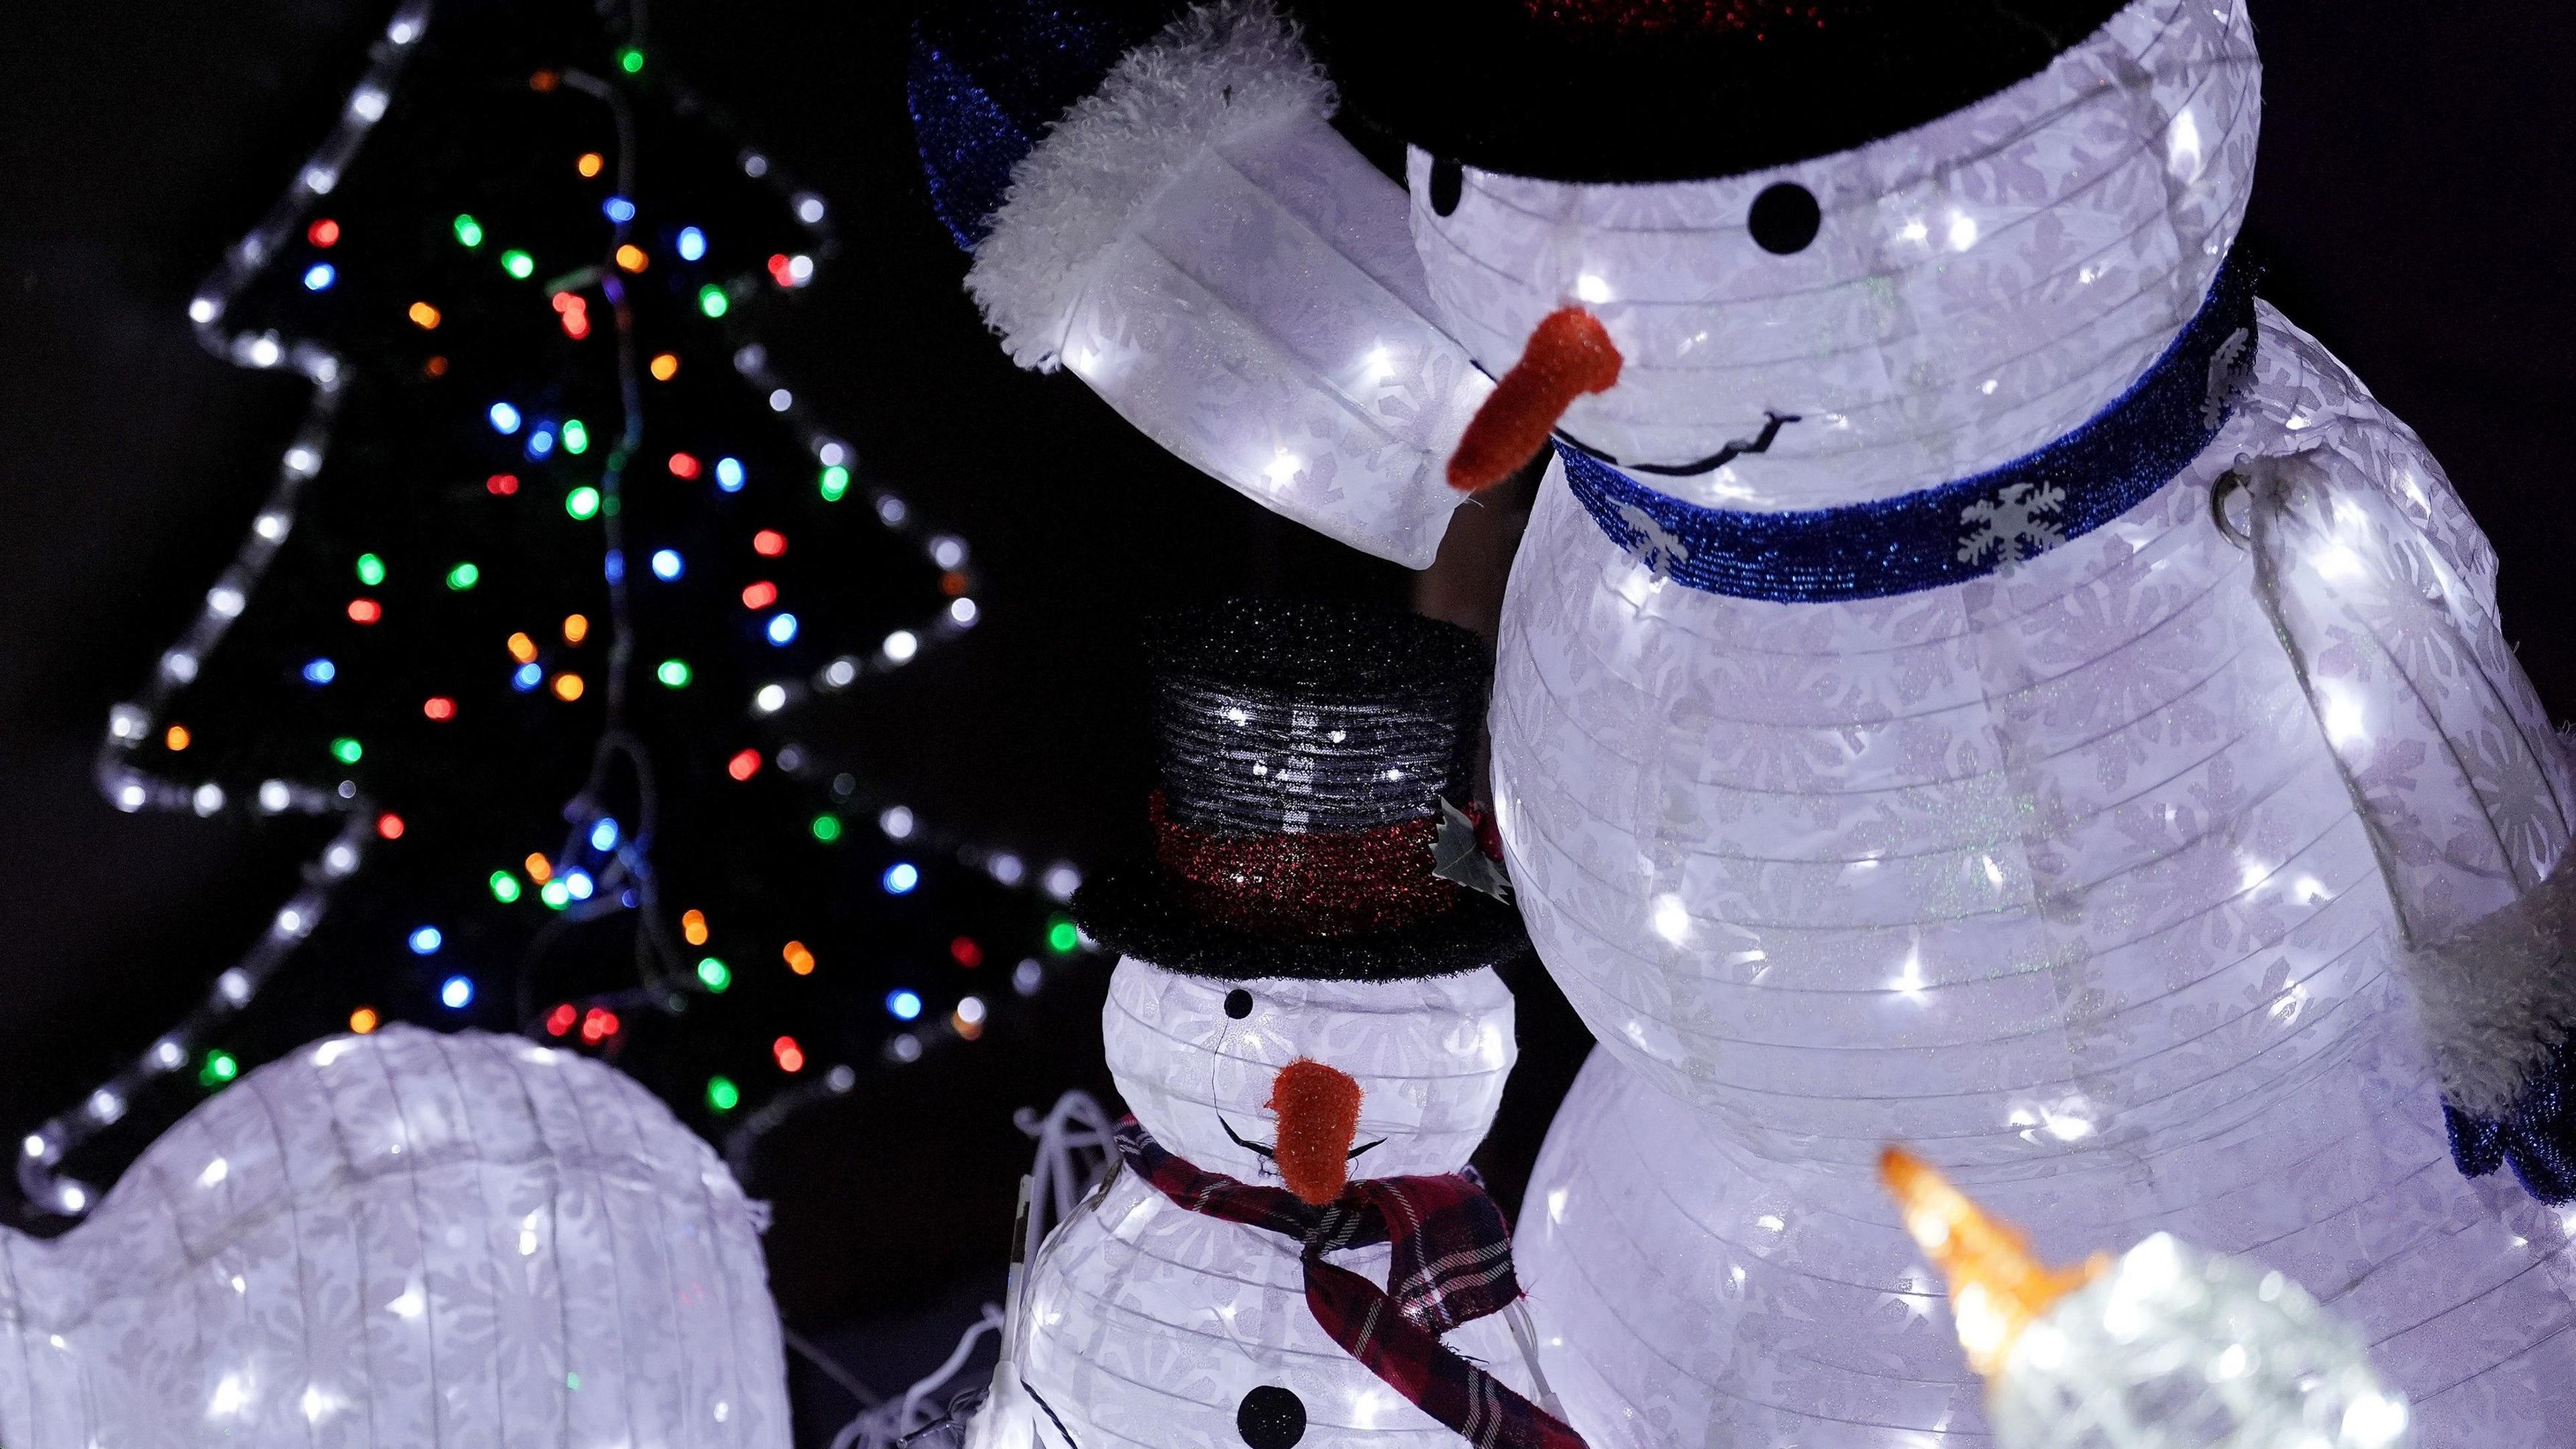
x=2414, y=202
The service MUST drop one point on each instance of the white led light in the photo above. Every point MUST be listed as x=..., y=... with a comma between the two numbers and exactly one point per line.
x=270, y=526
x=831, y=455
x=126, y=722
x=234, y=985
x=1591, y=288
x=320, y=179
x=770, y=700
x=891, y=510
x=1006, y=868
x=780, y=400
x=1062, y=880
x=73, y=1197
x=809, y=208
x=754, y=164
x=35, y=1145
x=302, y=461
x=403, y=31
x=224, y=601
x=208, y=799
x=264, y=352
x=839, y=673
x=963, y=613
x=896, y=822
x=340, y=859
x=204, y=309
x=130, y=797
x=905, y=1048
x=179, y=665
x=274, y=796
x=167, y=1055
x=105, y=1106
x=367, y=103
x=901, y=645
x=839, y=1080
x=290, y=922
x=947, y=551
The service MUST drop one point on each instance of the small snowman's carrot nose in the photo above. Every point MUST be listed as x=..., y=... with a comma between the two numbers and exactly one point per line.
x=1569, y=354
x=1319, y=1114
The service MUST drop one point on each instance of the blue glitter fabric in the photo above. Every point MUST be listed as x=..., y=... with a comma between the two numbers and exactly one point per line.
x=988, y=77
x=1960, y=530
x=2536, y=1136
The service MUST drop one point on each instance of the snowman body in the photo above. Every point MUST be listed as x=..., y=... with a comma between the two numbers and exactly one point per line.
x=403, y=1239
x=2057, y=871
x=1146, y=1324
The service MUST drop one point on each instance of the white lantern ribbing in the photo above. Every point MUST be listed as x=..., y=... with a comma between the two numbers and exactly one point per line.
x=404, y=1239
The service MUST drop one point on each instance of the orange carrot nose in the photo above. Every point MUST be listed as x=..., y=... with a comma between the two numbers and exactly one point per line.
x=1319, y=1114
x=1568, y=355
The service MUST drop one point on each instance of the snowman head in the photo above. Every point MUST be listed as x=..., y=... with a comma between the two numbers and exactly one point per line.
x=1842, y=249
x=1246, y=1076
x=1308, y=991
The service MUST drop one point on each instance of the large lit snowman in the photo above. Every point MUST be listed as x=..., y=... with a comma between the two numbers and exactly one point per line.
x=1973, y=675
x=1309, y=1030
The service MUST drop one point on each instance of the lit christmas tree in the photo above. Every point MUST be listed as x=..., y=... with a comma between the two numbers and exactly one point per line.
x=556, y=580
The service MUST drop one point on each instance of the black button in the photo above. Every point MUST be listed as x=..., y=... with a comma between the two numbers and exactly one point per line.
x=1238, y=1003
x=1448, y=182
x=1270, y=1417
x=1784, y=218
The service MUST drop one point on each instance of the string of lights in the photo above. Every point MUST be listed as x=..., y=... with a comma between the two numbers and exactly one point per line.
x=606, y=866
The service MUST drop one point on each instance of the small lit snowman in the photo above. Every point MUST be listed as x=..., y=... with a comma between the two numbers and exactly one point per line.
x=1309, y=1029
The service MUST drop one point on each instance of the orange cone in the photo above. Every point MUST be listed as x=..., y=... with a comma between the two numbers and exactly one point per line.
x=1568, y=355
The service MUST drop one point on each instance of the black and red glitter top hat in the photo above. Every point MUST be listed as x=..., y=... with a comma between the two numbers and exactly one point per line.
x=1675, y=90
x=1311, y=757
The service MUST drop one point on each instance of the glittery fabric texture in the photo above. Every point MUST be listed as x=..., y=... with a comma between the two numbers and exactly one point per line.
x=987, y=78
x=1310, y=883
x=1319, y=1115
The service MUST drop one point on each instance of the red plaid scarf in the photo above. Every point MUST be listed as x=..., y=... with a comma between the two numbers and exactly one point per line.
x=1452, y=1263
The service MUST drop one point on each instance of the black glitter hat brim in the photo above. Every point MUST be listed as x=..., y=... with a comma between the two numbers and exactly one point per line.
x=1136, y=912
x=1500, y=88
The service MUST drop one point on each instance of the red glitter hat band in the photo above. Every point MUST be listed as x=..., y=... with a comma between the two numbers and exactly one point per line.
x=1315, y=884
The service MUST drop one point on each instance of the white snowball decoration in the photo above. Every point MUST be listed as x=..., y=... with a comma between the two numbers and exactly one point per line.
x=1196, y=243
x=1145, y=1324
x=403, y=1239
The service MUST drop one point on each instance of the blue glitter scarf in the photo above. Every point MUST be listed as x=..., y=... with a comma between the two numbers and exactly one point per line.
x=1954, y=531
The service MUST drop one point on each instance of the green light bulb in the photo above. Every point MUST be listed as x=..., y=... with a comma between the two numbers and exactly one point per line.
x=836, y=481
x=464, y=576
x=371, y=570
x=220, y=1068
x=674, y=673
x=518, y=264
x=468, y=230
x=716, y=974
x=505, y=887
x=630, y=60
x=347, y=750
x=582, y=502
x=576, y=436
x=1062, y=937
x=712, y=300
x=722, y=1094
x=827, y=827
x=555, y=894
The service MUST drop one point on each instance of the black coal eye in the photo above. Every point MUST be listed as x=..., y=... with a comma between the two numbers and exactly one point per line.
x=1448, y=181
x=1270, y=1417
x=1784, y=218
x=1238, y=1003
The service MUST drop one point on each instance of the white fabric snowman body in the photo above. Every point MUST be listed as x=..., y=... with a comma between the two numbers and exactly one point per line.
x=2159, y=865
x=432, y=1241
x=1147, y=1325
x=1305, y=1001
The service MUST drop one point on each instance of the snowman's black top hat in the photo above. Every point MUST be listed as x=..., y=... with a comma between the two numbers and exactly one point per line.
x=1676, y=90
x=1305, y=751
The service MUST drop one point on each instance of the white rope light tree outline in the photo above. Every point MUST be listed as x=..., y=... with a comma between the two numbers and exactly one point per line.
x=131, y=788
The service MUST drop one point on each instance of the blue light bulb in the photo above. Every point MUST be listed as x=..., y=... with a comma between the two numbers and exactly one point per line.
x=603, y=836
x=319, y=277
x=426, y=941
x=619, y=209
x=905, y=1005
x=782, y=628
x=505, y=419
x=667, y=564
x=729, y=474
x=541, y=442
x=321, y=671
x=901, y=877
x=456, y=993
x=524, y=678
x=693, y=244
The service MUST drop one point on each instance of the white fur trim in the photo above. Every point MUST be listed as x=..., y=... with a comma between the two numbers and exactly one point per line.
x=2499, y=995
x=1222, y=67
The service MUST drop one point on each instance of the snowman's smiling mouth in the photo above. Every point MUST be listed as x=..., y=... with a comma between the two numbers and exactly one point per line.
x=1759, y=443
x=1271, y=1154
